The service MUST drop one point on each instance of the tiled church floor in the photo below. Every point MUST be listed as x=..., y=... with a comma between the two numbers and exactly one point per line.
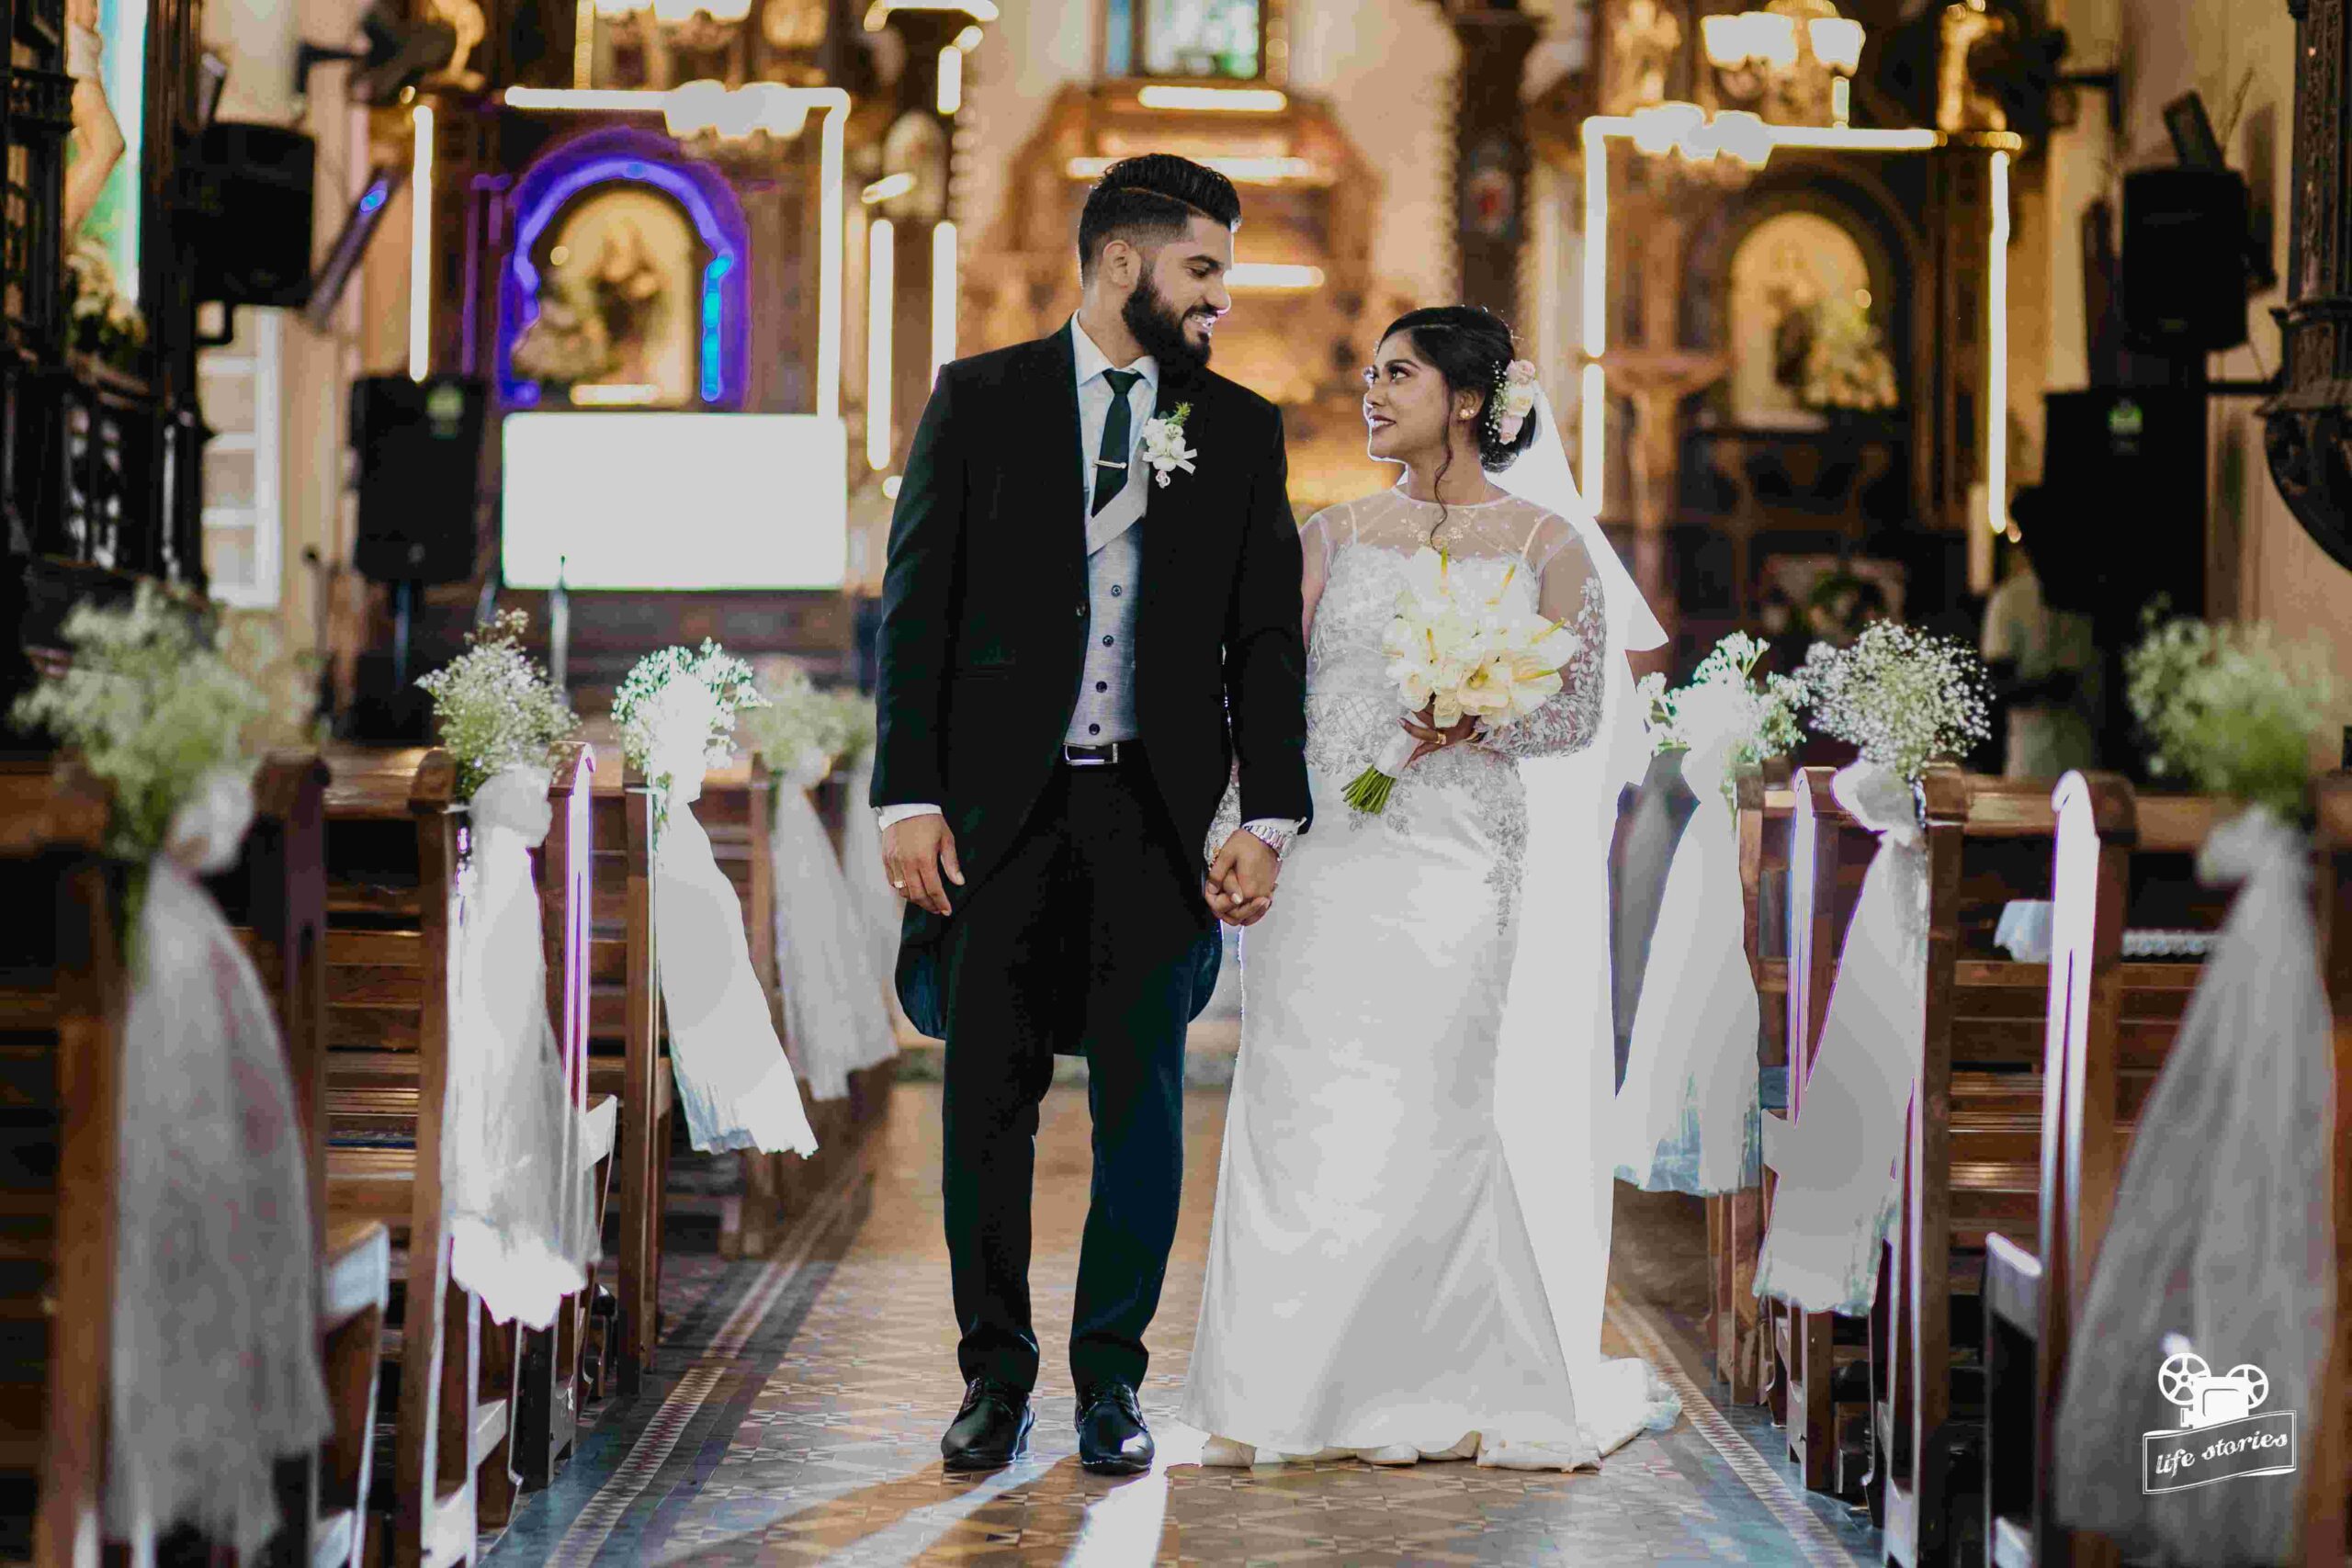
x=795, y=1413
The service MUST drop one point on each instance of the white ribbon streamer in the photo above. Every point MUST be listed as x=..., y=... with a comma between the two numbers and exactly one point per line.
x=732, y=1077
x=2220, y=1260
x=833, y=1016
x=215, y=1354
x=1836, y=1165
x=512, y=1155
x=1688, y=1110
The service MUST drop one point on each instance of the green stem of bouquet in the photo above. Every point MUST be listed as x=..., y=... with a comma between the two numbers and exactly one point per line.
x=1370, y=791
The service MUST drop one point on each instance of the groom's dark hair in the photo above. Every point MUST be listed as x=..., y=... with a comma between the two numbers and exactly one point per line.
x=1150, y=201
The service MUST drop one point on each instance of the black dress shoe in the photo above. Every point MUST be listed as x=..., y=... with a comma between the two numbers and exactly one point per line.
x=1112, y=1438
x=992, y=1429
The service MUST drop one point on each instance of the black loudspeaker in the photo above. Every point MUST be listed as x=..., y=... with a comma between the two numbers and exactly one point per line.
x=2184, y=260
x=420, y=474
x=252, y=246
x=2120, y=518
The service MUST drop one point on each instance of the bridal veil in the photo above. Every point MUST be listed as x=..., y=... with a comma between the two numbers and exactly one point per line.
x=1556, y=1076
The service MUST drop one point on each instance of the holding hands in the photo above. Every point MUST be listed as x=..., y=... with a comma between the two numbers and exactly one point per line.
x=1240, y=884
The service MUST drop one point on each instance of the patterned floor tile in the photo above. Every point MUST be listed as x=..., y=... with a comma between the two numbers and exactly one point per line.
x=795, y=1412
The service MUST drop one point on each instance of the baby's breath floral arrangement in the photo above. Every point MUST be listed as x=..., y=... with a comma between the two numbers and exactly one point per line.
x=1724, y=697
x=2232, y=710
x=159, y=699
x=675, y=704
x=849, y=729
x=792, y=728
x=1903, y=696
x=803, y=723
x=495, y=707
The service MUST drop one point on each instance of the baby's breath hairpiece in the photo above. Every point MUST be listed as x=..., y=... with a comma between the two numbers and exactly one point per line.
x=1513, y=400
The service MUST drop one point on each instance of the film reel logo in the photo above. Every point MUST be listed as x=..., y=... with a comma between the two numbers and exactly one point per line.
x=2207, y=1400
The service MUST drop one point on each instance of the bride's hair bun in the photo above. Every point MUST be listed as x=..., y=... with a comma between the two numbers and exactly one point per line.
x=1472, y=349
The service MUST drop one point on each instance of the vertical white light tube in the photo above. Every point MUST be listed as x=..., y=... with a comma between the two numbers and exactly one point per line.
x=1997, y=354
x=951, y=80
x=829, y=196
x=1592, y=457
x=943, y=296
x=420, y=246
x=881, y=288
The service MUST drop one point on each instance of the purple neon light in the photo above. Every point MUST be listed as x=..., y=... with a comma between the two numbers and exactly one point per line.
x=623, y=155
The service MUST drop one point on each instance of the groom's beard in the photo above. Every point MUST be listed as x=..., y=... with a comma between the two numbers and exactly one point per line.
x=1160, y=330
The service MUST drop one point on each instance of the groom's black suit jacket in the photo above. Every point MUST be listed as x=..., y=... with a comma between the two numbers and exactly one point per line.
x=985, y=613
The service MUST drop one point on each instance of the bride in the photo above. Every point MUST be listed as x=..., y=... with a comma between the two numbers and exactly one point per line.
x=1374, y=1288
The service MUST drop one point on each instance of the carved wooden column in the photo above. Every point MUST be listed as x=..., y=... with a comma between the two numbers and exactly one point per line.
x=2308, y=434
x=1952, y=335
x=1490, y=157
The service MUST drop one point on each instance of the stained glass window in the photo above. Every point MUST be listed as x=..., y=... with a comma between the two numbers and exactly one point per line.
x=1200, y=37
x=1118, y=38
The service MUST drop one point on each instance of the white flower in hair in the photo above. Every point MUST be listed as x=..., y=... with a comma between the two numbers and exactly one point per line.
x=1514, y=398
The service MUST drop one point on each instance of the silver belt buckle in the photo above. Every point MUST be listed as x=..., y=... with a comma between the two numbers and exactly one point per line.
x=1071, y=757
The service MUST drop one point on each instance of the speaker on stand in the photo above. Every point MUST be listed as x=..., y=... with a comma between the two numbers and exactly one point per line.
x=2120, y=521
x=419, y=445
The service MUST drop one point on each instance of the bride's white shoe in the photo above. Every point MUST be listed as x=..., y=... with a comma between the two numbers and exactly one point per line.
x=1500, y=1455
x=1226, y=1453
x=1394, y=1453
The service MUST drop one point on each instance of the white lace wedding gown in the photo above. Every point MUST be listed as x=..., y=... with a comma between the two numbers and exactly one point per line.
x=1372, y=1282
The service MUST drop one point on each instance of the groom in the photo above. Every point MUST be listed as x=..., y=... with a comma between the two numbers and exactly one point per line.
x=1076, y=644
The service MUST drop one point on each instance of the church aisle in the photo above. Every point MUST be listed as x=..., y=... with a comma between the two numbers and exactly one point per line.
x=795, y=1413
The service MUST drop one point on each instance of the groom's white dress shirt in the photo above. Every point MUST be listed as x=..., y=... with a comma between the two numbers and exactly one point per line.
x=1106, y=706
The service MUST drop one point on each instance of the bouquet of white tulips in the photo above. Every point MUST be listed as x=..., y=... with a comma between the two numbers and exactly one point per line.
x=1456, y=652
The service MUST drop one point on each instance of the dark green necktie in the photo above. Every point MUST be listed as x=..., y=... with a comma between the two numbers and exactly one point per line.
x=1111, y=468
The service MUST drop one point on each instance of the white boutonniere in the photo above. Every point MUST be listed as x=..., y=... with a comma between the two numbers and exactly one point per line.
x=1163, y=443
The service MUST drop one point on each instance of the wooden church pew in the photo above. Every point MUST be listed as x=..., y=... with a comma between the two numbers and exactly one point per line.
x=778, y=1190
x=1827, y=856
x=73, y=992
x=556, y=1360
x=1973, y=1161
x=375, y=1098
x=1973, y=1140
x=393, y=819
x=2109, y=1026
x=64, y=993
x=625, y=1058
x=1763, y=805
x=275, y=894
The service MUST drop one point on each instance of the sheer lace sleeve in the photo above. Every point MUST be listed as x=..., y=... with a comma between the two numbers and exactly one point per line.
x=1228, y=820
x=1570, y=594
x=1317, y=540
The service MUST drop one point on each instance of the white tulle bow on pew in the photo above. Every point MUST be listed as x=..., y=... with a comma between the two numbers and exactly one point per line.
x=2220, y=1251
x=215, y=1352
x=513, y=1153
x=1687, y=1111
x=1836, y=1164
x=835, y=1024
x=732, y=1076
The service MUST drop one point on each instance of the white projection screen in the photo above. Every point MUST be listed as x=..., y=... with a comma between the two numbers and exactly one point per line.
x=674, y=501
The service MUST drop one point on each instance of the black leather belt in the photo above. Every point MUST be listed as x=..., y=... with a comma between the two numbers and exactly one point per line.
x=1095, y=756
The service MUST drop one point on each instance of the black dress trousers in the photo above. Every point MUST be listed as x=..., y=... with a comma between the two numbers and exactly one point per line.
x=1080, y=941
